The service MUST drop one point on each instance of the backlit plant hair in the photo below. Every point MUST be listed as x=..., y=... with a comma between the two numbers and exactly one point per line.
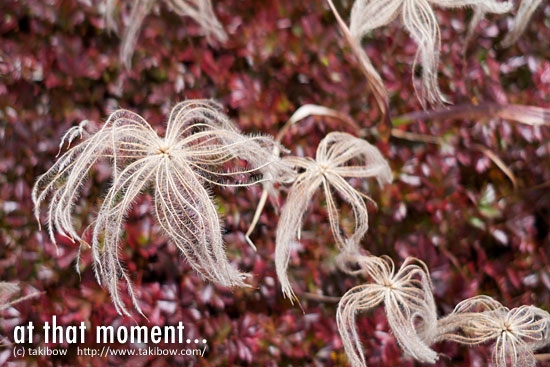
x=339, y=156
x=200, y=11
x=198, y=138
x=8, y=298
x=8, y=290
x=521, y=20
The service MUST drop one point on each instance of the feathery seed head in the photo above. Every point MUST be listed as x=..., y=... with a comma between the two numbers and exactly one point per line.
x=199, y=142
x=339, y=156
x=420, y=21
x=408, y=301
x=516, y=333
x=410, y=310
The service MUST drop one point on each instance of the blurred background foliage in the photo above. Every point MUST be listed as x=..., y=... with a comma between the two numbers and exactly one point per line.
x=449, y=205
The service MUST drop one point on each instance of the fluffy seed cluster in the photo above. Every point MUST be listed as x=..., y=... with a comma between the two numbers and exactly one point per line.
x=412, y=317
x=198, y=144
x=178, y=168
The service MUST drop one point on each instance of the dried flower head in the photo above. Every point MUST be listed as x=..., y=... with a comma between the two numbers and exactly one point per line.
x=339, y=156
x=198, y=139
x=268, y=188
x=420, y=21
x=200, y=11
x=516, y=333
x=408, y=301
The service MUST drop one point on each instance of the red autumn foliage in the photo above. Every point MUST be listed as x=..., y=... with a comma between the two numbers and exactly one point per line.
x=451, y=206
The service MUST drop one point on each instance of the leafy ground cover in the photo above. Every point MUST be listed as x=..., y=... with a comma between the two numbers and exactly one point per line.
x=449, y=204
